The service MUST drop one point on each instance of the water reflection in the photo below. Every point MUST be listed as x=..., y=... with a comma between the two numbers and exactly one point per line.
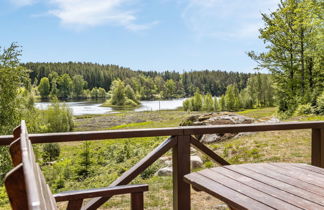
x=94, y=106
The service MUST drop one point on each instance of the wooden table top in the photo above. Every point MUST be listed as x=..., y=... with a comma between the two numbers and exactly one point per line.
x=263, y=185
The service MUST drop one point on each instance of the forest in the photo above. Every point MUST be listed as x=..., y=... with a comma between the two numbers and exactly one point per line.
x=84, y=80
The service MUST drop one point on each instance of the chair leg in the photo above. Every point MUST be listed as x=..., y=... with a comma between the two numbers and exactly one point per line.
x=137, y=201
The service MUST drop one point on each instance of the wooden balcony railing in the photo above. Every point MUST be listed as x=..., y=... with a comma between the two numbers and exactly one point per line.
x=180, y=140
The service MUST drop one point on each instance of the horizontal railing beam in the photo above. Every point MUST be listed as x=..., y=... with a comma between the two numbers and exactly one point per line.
x=175, y=131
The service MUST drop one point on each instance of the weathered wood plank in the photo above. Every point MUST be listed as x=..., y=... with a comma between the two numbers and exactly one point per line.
x=278, y=184
x=246, y=190
x=15, y=152
x=229, y=196
x=98, y=192
x=138, y=168
x=176, y=131
x=208, y=152
x=16, y=188
x=275, y=192
x=181, y=167
x=301, y=175
x=267, y=171
x=318, y=147
x=309, y=167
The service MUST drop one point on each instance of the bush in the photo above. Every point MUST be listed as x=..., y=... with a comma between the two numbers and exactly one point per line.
x=320, y=104
x=58, y=118
x=187, y=104
x=51, y=152
x=304, y=109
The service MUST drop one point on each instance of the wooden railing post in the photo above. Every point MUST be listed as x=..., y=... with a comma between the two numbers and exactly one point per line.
x=181, y=167
x=318, y=147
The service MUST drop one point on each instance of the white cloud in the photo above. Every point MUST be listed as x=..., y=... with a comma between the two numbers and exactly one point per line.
x=226, y=19
x=84, y=13
x=22, y=3
x=79, y=14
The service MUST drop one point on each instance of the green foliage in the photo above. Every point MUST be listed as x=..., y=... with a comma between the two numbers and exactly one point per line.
x=293, y=35
x=130, y=94
x=197, y=101
x=208, y=103
x=101, y=93
x=121, y=95
x=258, y=93
x=146, y=85
x=84, y=169
x=170, y=89
x=50, y=152
x=217, y=107
x=3, y=196
x=303, y=109
x=65, y=86
x=320, y=104
x=232, y=100
x=118, y=96
x=222, y=103
x=58, y=117
x=44, y=87
x=78, y=85
x=187, y=104
x=12, y=78
x=94, y=93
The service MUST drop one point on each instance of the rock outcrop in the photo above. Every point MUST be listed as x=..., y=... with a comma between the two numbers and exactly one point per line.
x=166, y=171
x=224, y=118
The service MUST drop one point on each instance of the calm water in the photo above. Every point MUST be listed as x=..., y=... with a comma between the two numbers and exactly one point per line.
x=93, y=106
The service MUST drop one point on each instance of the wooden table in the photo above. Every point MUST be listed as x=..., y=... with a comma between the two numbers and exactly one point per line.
x=263, y=185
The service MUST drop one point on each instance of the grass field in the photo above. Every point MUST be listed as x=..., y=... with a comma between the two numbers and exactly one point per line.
x=110, y=158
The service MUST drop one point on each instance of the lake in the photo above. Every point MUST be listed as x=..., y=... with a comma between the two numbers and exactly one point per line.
x=94, y=106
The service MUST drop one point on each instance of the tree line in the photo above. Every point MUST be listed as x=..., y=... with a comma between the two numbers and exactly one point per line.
x=258, y=93
x=65, y=87
x=294, y=37
x=146, y=85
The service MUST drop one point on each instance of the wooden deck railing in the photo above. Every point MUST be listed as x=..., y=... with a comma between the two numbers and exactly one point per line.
x=180, y=141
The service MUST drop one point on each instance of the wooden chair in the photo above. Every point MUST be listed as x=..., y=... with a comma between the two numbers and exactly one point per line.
x=27, y=189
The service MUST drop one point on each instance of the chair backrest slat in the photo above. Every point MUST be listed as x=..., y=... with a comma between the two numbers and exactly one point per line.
x=37, y=193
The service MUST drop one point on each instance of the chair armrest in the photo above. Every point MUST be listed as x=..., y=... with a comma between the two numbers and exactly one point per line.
x=100, y=192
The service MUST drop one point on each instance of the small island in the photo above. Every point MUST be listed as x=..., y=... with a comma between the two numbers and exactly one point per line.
x=121, y=96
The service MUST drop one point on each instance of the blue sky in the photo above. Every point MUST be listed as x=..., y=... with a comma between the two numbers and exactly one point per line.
x=140, y=34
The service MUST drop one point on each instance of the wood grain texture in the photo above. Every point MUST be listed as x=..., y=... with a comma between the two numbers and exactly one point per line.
x=15, y=152
x=16, y=188
x=275, y=185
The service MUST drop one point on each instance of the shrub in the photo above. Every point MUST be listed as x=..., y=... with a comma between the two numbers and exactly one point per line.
x=51, y=152
x=320, y=104
x=58, y=117
x=304, y=109
x=187, y=105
